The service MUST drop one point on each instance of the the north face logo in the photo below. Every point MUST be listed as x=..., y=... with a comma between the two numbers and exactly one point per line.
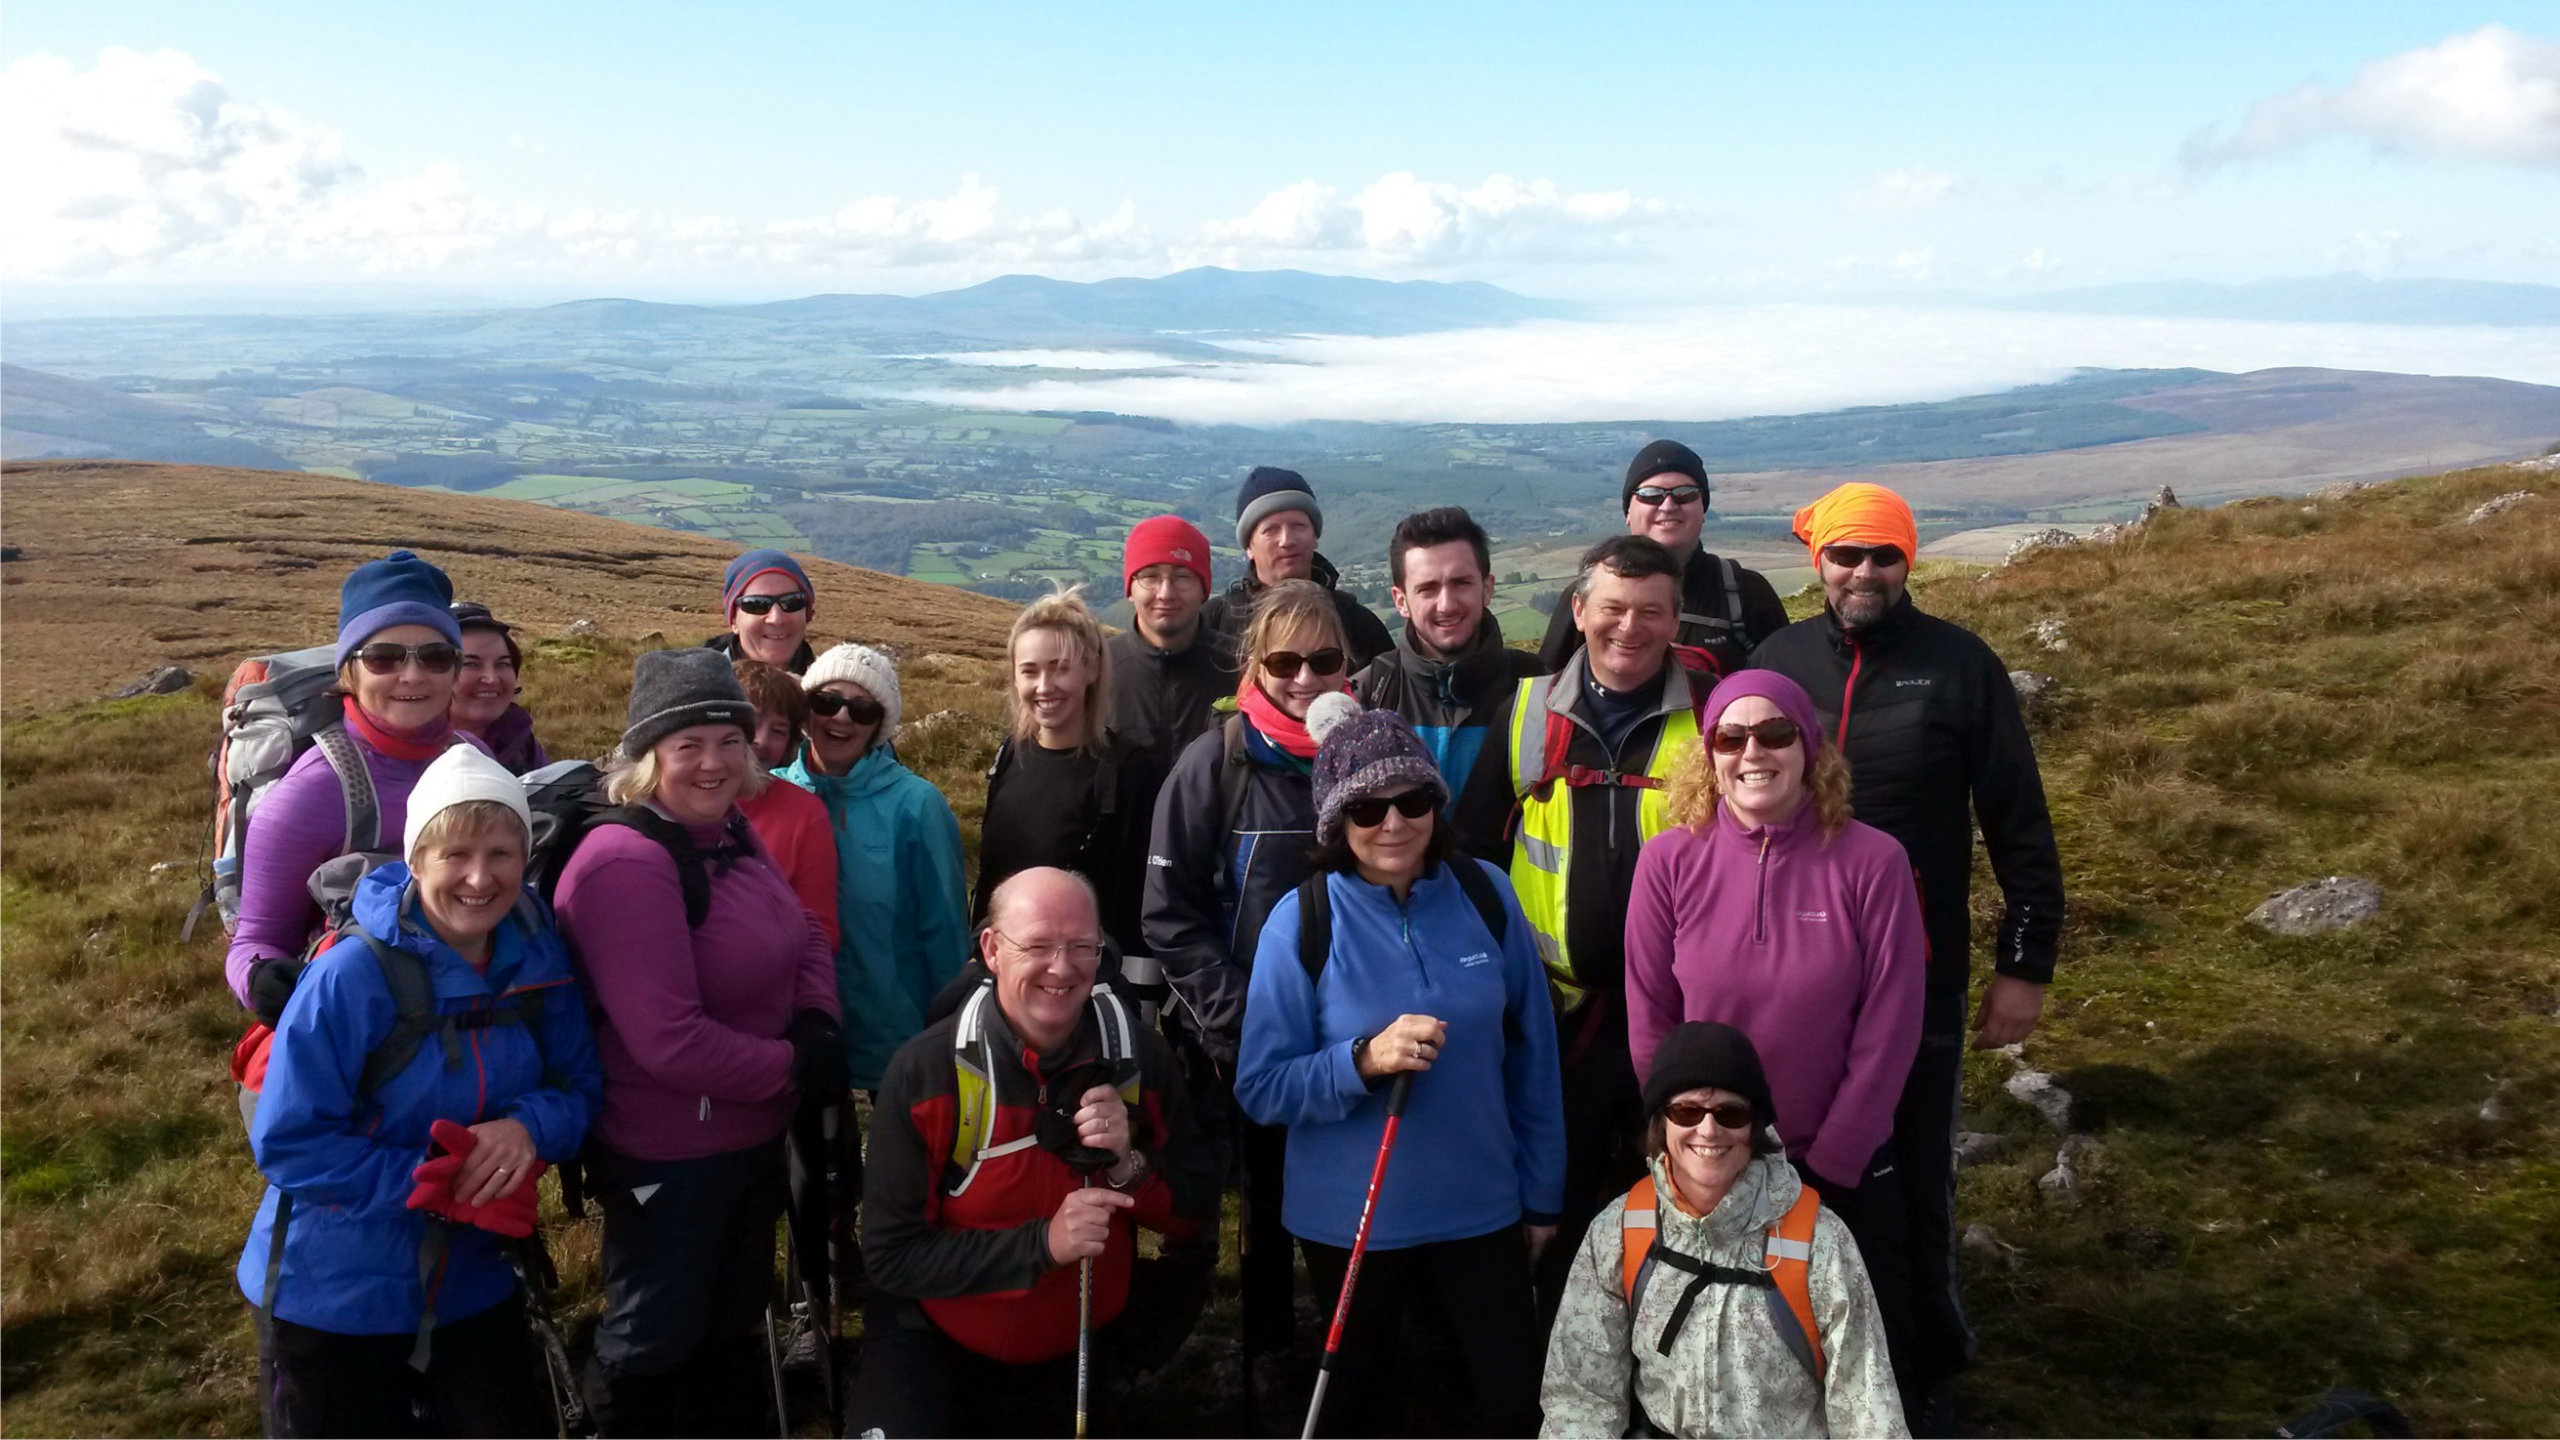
x=1180, y=553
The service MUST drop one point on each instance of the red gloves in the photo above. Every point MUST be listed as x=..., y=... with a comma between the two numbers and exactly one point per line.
x=514, y=1215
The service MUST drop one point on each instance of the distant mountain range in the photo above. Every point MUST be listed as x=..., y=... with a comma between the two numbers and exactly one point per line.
x=2356, y=299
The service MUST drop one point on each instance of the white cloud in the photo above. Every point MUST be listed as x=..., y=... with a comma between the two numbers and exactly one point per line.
x=1721, y=362
x=2492, y=94
x=145, y=157
x=1403, y=220
x=1913, y=187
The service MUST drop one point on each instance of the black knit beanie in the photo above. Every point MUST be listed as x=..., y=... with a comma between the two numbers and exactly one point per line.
x=672, y=690
x=1659, y=458
x=1702, y=1053
x=1266, y=491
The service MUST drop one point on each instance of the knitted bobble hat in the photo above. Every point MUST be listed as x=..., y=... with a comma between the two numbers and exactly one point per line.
x=461, y=773
x=674, y=690
x=865, y=667
x=1361, y=753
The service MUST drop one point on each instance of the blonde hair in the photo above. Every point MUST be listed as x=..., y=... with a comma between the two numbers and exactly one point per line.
x=634, y=782
x=1065, y=612
x=1288, y=606
x=467, y=818
x=1691, y=797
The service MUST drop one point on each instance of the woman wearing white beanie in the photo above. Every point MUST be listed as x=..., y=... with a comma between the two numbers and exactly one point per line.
x=900, y=892
x=376, y=1163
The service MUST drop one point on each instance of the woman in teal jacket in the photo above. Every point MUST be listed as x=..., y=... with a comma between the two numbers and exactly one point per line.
x=900, y=892
x=377, y=1255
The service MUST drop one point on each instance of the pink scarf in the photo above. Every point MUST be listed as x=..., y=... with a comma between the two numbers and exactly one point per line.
x=424, y=743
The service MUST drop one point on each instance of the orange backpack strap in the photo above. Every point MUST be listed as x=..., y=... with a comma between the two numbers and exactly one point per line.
x=1790, y=1260
x=1637, y=1226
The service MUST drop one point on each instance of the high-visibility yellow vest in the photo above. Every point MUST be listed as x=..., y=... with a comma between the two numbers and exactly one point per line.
x=1542, y=787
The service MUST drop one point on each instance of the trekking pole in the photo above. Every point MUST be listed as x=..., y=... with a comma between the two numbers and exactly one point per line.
x=773, y=1359
x=569, y=1405
x=1084, y=1332
x=1396, y=1094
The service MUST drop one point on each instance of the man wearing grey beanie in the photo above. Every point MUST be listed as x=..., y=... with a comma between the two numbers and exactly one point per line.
x=1278, y=523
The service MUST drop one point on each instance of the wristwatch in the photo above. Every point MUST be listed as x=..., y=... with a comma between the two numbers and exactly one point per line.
x=1137, y=1175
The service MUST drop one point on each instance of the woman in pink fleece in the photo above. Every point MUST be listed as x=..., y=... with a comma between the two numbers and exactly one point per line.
x=1770, y=910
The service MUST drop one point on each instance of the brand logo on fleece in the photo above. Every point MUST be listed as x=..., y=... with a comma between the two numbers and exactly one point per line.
x=1816, y=917
x=1921, y=681
x=1481, y=957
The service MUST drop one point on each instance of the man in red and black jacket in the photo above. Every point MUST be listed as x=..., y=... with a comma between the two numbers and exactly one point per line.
x=1927, y=716
x=975, y=1229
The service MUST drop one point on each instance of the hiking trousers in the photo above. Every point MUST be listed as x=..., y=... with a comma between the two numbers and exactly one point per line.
x=915, y=1380
x=1878, y=1216
x=1479, y=1286
x=1924, y=1151
x=484, y=1376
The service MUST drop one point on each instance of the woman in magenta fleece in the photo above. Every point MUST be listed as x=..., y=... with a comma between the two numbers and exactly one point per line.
x=398, y=652
x=1768, y=909
x=709, y=1033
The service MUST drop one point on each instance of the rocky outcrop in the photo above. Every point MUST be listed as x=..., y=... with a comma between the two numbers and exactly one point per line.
x=167, y=680
x=2038, y=694
x=2492, y=509
x=2335, y=903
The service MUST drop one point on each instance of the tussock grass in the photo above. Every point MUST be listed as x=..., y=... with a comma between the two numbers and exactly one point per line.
x=2295, y=1185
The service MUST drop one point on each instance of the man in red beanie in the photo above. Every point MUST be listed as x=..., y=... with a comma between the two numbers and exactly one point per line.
x=1929, y=721
x=1167, y=670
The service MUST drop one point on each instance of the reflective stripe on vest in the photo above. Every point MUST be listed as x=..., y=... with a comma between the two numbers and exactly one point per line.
x=1542, y=844
x=973, y=1059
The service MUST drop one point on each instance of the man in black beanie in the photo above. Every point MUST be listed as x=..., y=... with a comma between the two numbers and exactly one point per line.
x=1278, y=523
x=1725, y=610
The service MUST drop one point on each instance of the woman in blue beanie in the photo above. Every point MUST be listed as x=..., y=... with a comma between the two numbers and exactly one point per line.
x=1432, y=973
x=767, y=600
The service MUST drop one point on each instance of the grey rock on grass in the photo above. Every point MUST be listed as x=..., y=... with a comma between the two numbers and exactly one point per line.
x=2062, y=1182
x=2039, y=1092
x=1984, y=1244
x=2050, y=633
x=2037, y=693
x=1975, y=1146
x=582, y=628
x=167, y=680
x=2046, y=539
x=2335, y=903
x=2492, y=509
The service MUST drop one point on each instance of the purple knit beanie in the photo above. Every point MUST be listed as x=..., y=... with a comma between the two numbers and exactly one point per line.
x=1361, y=753
x=1778, y=690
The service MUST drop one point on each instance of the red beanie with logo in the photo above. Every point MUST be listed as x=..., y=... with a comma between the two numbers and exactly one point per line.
x=1165, y=540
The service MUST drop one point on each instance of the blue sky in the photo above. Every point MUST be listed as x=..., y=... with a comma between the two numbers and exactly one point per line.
x=1673, y=152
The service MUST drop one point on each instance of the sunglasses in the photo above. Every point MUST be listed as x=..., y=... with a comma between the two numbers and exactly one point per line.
x=1773, y=734
x=1850, y=557
x=791, y=604
x=1681, y=495
x=1283, y=664
x=435, y=657
x=1370, y=811
x=829, y=704
x=1731, y=1115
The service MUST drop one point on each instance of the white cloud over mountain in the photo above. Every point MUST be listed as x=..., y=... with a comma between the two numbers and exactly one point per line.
x=148, y=165
x=1913, y=187
x=2493, y=94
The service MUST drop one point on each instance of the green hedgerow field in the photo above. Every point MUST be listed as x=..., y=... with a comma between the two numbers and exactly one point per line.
x=2314, y=1162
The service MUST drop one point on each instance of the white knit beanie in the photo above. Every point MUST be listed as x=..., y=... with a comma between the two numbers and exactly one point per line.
x=463, y=772
x=865, y=667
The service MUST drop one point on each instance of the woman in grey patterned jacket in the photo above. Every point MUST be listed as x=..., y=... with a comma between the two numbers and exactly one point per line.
x=1717, y=1297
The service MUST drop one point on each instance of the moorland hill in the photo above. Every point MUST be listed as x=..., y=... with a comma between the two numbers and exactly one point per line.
x=123, y=567
x=2301, y=1162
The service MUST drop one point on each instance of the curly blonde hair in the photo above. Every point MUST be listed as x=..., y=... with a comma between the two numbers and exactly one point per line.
x=1065, y=612
x=1286, y=607
x=1691, y=797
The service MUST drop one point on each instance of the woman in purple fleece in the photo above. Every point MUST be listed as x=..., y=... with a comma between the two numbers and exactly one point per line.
x=398, y=649
x=714, y=1021
x=1769, y=909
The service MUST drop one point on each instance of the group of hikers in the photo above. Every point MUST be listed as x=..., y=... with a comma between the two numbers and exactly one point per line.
x=1597, y=1009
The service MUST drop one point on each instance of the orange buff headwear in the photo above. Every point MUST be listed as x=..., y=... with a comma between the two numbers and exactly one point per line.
x=1858, y=514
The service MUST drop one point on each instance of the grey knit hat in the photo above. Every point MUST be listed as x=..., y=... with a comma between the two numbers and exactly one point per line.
x=672, y=690
x=1361, y=753
x=1266, y=491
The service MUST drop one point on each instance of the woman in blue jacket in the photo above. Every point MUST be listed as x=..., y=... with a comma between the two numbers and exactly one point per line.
x=428, y=1067
x=1434, y=973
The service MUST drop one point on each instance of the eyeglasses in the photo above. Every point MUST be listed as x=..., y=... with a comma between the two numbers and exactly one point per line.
x=1283, y=664
x=435, y=657
x=860, y=711
x=1731, y=1115
x=1850, y=557
x=1370, y=811
x=791, y=603
x=1082, y=952
x=1775, y=733
x=1676, y=495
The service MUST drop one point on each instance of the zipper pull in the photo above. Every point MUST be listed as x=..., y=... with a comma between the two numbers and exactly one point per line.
x=705, y=1113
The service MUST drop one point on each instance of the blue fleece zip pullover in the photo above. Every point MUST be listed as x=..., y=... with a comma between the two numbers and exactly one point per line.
x=1482, y=1143
x=351, y=1247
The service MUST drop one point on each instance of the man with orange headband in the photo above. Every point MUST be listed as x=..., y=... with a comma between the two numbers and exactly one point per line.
x=1936, y=746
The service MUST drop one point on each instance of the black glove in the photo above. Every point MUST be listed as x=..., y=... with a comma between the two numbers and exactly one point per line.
x=271, y=984
x=817, y=1054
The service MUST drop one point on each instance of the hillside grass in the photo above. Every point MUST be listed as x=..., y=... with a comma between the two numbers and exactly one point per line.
x=2296, y=1185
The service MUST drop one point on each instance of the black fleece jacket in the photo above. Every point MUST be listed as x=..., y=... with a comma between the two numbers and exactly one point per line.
x=1164, y=699
x=1364, y=633
x=1936, y=746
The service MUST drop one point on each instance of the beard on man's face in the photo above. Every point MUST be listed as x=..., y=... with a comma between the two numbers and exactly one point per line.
x=1859, y=604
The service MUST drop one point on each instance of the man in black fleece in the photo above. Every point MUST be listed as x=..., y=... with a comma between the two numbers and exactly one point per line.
x=1278, y=523
x=1451, y=672
x=1930, y=724
x=1724, y=609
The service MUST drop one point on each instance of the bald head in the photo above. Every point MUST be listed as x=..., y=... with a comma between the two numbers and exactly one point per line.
x=1048, y=892
x=1043, y=944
